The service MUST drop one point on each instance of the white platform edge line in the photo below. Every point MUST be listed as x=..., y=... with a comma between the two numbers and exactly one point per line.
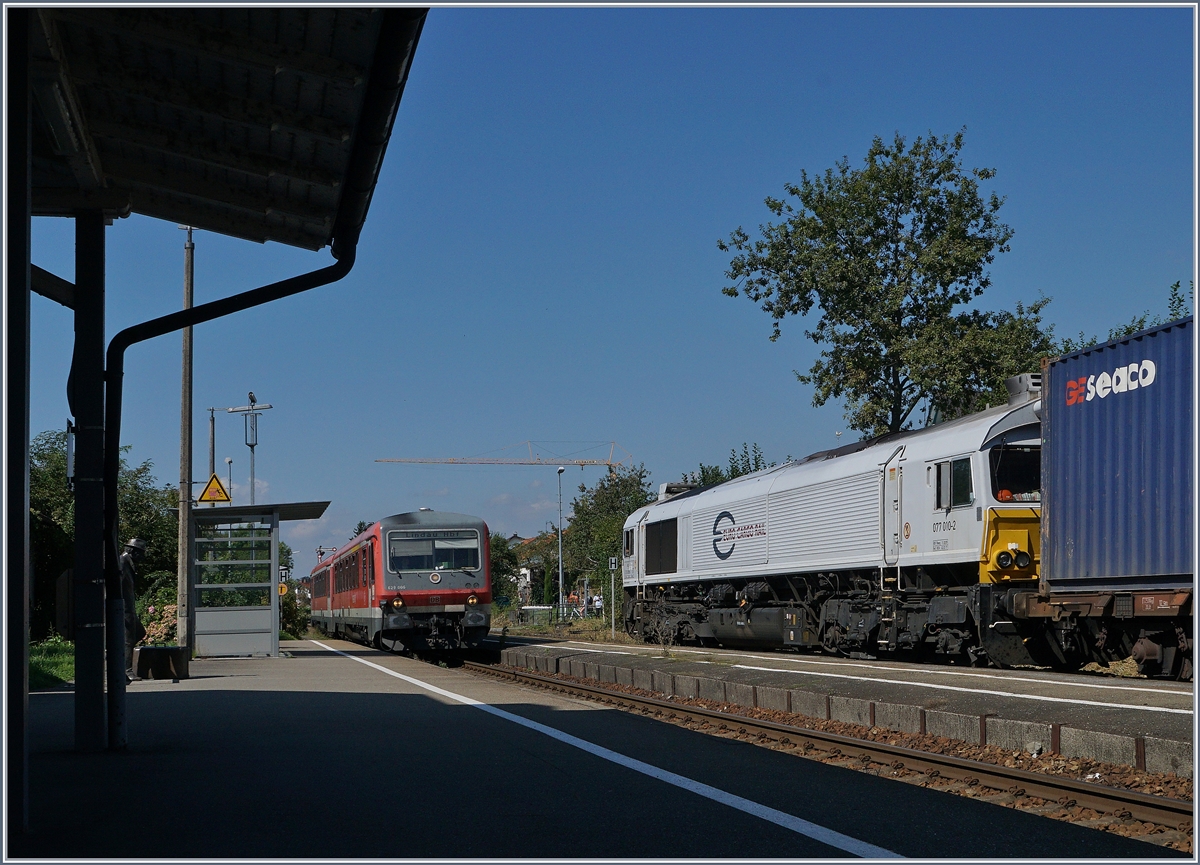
x=780, y=818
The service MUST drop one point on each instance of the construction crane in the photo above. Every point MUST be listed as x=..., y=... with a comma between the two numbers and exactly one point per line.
x=532, y=460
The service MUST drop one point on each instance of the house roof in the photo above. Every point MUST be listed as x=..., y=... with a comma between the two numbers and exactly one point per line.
x=260, y=123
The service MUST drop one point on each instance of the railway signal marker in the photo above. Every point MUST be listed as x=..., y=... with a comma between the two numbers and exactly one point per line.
x=214, y=491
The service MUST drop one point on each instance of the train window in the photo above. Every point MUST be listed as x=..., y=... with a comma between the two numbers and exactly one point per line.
x=662, y=546
x=954, y=489
x=456, y=554
x=961, y=492
x=628, y=543
x=1016, y=473
x=445, y=550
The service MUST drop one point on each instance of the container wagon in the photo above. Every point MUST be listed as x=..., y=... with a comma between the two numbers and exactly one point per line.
x=1117, y=512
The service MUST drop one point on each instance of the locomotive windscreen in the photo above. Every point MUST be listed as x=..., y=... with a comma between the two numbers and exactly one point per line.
x=1017, y=473
x=433, y=550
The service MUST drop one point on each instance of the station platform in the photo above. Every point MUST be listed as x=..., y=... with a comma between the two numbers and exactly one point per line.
x=1134, y=722
x=298, y=758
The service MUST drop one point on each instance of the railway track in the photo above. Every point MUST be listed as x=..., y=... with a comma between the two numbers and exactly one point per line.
x=1175, y=814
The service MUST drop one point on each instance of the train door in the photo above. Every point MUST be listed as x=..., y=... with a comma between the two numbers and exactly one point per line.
x=893, y=475
x=640, y=547
x=369, y=565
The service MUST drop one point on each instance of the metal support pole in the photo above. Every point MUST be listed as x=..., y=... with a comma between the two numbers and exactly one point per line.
x=87, y=403
x=16, y=430
x=183, y=597
x=251, y=474
x=560, y=561
x=212, y=447
x=612, y=600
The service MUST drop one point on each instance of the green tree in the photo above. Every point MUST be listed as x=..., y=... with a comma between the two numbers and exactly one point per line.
x=286, y=556
x=598, y=514
x=504, y=568
x=293, y=611
x=540, y=555
x=359, y=528
x=1177, y=307
x=751, y=459
x=146, y=508
x=887, y=252
x=968, y=357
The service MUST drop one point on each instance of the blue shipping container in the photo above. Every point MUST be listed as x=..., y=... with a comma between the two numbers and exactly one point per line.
x=1117, y=471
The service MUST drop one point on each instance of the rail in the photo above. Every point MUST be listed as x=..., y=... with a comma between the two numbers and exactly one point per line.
x=1063, y=791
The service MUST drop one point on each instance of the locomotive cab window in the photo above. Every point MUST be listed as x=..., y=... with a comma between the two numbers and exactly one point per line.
x=1016, y=473
x=628, y=543
x=662, y=547
x=954, y=488
x=433, y=551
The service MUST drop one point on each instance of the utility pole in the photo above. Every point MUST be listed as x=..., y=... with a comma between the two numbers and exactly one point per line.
x=184, y=595
x=212, y=445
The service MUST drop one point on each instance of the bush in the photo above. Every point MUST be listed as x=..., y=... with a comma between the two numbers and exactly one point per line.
x=157, y=609
x=293, y=611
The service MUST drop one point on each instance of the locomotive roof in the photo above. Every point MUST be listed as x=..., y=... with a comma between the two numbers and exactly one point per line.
x=959, y=436
x=433, y=519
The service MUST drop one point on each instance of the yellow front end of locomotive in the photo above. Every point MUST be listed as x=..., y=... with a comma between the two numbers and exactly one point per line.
x=1011, y=545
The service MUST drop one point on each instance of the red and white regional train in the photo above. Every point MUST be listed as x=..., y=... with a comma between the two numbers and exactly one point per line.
x=419, y=581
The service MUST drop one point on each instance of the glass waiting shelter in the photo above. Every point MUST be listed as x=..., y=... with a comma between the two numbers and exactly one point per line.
x=235, y=576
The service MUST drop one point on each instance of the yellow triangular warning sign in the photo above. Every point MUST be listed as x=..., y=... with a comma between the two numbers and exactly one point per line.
x=214, y=491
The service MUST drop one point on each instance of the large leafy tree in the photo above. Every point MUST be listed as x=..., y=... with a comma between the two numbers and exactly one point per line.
x=540, y=555
x=888, y=253
x=504, y=566
x=146, y=512
x=597, y=516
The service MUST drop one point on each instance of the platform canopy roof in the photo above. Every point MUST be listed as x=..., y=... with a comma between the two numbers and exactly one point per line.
x=285, y=511
x=260, y=123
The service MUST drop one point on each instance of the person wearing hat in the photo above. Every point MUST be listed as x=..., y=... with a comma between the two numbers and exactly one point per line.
x=135, y=551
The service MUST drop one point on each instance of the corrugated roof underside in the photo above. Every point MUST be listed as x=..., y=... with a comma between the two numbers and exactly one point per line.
x=239, y=121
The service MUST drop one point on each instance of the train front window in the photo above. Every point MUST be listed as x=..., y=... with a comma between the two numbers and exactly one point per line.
x=405, y=555
x=1016, y=473
x=438, y=550
x=457, y=554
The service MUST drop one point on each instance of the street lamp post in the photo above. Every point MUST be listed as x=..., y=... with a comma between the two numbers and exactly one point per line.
x=560, y=563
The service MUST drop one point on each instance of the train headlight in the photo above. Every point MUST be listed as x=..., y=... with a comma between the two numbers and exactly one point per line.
x=472, y=601
x=1024, y=560
x=397, y=602
x=1004, y=559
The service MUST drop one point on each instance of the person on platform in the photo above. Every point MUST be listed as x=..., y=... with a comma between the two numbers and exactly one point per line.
x=135, y=552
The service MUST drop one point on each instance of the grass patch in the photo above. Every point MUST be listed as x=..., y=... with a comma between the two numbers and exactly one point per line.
x=51, y=663
x=591, y=630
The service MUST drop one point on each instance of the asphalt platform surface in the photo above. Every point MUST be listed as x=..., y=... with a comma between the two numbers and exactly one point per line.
x=340, y=751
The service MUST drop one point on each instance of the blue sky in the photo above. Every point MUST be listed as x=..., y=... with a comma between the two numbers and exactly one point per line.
x=540, y=257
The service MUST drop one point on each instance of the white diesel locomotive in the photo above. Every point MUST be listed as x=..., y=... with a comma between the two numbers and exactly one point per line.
x=918, y=543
